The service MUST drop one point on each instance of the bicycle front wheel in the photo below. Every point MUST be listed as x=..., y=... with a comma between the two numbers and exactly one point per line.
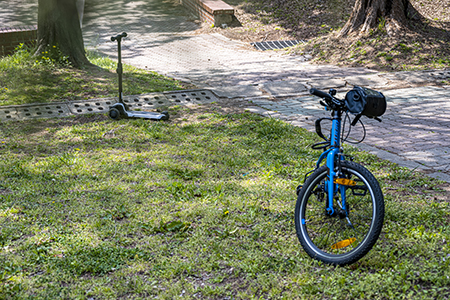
x=347, y=235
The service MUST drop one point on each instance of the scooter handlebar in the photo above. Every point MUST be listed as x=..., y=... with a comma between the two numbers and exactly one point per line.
x=118, y=37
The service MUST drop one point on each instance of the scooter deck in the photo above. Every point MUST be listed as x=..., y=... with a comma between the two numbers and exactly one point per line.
x=147, y=115
x=118, y=111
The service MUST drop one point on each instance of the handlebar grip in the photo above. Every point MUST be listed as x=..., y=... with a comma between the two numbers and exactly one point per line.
x=119, y=36
x=320, y=94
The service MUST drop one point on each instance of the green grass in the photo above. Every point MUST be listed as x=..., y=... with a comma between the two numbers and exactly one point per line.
x=26, y=79
x=202, y=209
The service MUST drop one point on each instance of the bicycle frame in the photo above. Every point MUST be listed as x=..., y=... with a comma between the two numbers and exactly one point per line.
x=330, y=154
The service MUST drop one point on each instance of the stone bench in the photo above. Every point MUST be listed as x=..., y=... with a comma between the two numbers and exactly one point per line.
x=11, y=37
x=215, y=12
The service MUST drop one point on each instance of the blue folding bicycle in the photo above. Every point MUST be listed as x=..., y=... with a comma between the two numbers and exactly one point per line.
x=340, y=207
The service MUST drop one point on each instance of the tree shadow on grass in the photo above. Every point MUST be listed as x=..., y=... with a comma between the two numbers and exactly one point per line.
x=28, y=81
x=43, y=85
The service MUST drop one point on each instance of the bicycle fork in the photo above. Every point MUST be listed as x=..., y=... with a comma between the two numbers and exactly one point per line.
x=331, y=187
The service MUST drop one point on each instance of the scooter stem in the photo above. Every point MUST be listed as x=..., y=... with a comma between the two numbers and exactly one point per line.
x=119, y=69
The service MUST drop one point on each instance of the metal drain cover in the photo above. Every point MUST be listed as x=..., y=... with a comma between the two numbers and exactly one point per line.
x=272, y=45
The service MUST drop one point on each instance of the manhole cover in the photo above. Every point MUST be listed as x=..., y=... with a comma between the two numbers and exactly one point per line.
x=272, y=45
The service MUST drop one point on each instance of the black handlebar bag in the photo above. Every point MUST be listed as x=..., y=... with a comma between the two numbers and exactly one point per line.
x=366, y=102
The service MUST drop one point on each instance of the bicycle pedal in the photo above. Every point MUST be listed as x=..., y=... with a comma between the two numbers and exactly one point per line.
x=299, y=188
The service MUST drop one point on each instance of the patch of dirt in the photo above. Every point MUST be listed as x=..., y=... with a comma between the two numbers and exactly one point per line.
x=268, y=20
x=424, y=44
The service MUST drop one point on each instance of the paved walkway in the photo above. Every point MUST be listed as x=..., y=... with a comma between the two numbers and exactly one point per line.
x=163, y=38
x=414, y=131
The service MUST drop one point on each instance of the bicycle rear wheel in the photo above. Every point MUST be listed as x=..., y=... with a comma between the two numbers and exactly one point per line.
x=346, y=236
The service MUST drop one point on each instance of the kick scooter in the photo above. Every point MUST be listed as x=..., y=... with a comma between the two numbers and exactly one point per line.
x=120, y=109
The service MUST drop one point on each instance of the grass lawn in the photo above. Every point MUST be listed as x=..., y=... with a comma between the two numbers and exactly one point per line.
x=198, y=207
x=25, y=79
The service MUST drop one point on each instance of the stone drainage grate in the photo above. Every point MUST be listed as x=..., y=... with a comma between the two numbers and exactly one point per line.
x=191, y=97
x=272, y=45
x=42, y=111
x=8, y=113
x=154, y=101
x=149, y=101
x=144, y=102
x=20, y=112
x=90, y=106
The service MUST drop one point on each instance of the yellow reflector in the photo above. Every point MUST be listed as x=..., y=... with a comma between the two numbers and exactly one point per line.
x=343, y=244
x=345, y=181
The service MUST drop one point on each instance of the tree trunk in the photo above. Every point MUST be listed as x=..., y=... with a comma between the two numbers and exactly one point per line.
x=367, y=14
x=59, y=26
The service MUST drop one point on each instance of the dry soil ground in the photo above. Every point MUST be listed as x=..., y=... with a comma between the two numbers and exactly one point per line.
x=423, y=44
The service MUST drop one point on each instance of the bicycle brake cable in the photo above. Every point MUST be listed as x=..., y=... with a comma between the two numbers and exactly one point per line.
x=350, y=129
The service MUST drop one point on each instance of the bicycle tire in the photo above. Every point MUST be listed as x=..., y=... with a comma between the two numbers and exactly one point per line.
x=340, y=240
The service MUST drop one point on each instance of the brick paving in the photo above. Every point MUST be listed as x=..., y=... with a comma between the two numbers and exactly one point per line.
x=414, y=131
x=162, y=37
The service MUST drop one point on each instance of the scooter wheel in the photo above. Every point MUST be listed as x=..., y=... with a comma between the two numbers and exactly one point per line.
x=166, y=115
x=114, y=114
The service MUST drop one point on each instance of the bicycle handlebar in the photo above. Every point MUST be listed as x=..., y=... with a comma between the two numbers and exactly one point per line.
x=331, y=101
x=320, y=94
x=119, y=36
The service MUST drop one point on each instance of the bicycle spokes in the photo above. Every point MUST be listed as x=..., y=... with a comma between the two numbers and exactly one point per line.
x=349, y=233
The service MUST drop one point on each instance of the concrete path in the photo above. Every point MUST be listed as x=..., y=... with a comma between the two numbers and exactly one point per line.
x=162, y=37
